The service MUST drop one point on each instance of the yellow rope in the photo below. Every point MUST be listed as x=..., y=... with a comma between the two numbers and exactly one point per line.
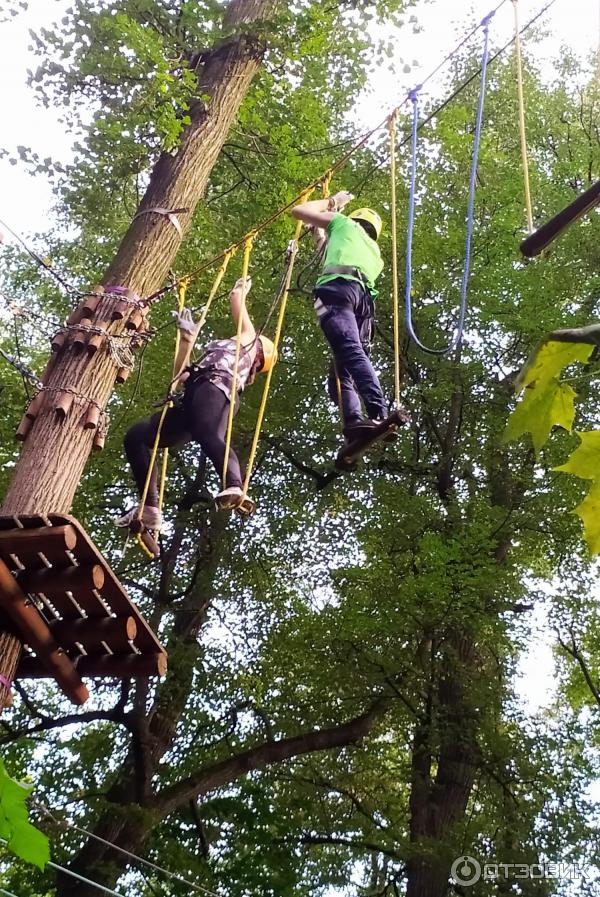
x=269, y=375
x=395, y=297
x=238, y=343
x=522, y=129
x=182, y=285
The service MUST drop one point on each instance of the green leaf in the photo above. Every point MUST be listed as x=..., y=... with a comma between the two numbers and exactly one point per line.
x=549, y=404
x=589, y=511
x=550, y=359
x=22, y=838
x=585, y=460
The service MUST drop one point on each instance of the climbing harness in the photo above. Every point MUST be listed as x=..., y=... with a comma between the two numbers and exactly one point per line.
x=458, y=332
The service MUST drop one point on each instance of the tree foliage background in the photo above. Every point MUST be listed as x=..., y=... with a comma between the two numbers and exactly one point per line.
x=408, y=590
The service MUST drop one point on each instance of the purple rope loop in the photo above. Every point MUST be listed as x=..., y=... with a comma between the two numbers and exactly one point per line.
x=7, y=683
x=122, y=291
x=485, y=22
x=414, y=93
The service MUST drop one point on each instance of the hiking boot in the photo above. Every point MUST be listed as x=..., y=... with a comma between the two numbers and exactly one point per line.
x=362, y=430
x=151, y=518
x=229, y=499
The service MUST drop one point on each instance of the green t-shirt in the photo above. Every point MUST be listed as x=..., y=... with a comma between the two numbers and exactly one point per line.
x=348, y=244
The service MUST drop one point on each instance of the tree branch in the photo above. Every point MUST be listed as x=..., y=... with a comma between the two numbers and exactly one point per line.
x=267, y=754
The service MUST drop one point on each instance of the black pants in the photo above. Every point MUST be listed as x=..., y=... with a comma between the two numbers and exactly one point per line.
x=200, y=417
x=345, y=312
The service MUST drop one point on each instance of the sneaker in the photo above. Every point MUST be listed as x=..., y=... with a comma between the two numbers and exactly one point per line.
x=229, y=498
x=151, y=518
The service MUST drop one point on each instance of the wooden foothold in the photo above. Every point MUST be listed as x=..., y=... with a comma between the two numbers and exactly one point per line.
x=136, y=320
x=120, y=310
x=24, y=428
x=92, y=302
x=35, y=406
x=56, y=580
x=63, y=404
x=99, y=440
x=92, y=417
x=81, y=336
x=122, y=375
x=58, y=340
x=76, y=316
x=97, y=339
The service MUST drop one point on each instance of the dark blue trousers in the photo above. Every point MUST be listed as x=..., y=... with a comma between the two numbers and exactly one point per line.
x=345, y=312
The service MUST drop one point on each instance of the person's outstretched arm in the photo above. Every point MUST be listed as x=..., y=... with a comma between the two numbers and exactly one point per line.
x=188, y=333
x=320, y=212
x=236, y=297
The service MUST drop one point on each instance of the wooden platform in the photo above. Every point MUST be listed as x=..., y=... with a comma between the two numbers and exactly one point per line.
x=69, y=608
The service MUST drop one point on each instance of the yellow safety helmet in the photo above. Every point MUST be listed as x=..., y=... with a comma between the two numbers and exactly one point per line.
x=269, y=354
x=370, y=217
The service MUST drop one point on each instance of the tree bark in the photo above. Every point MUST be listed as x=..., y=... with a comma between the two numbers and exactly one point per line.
x=48, y=472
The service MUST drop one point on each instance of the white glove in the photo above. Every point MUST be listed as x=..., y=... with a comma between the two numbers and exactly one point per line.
x=341, y=199
x=240, y=285
x=185, y=322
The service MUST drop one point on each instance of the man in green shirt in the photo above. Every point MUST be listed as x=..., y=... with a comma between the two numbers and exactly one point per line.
x=344, y=295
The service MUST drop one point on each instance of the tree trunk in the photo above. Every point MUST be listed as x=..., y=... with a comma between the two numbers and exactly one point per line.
x=56, y=450
x=437, y=805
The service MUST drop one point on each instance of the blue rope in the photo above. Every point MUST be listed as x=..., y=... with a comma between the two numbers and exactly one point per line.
x=414, y=97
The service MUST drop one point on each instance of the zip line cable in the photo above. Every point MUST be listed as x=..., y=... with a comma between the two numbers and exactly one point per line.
x=71, y=825
x=458, y=332
x=75, y=875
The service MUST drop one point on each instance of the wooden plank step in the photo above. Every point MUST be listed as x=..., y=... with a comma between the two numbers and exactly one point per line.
x=79, y=602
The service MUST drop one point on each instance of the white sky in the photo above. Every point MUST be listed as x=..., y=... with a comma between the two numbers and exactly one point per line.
x=25, y=201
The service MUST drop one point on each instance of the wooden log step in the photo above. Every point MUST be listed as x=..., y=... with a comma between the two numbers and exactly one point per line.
x=23, y=429
x=96, y=340
x=135, y=321
x=36, y=634
x=81, y=337
x=92, y=417
x=52, y=541
x=63, y=403
x=35, y=406
x=55, y=581
x=92, y=302
x=99, y=440
x=119, y=666
x=116, y=632
x=58, y=340
x=122, y=375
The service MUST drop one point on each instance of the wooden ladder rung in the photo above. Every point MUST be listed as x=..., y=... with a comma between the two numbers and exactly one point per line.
x=116, y=632
x=58, y=580
x=117, y=665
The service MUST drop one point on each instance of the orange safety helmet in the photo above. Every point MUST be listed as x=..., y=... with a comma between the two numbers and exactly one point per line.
x=269, y=354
